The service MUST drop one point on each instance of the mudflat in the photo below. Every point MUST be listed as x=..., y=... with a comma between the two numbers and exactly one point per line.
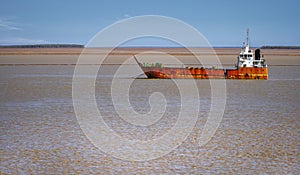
x=40, y=134
x=70, y=56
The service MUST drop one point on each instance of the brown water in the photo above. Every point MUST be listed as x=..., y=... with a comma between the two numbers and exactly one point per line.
x=259, y=132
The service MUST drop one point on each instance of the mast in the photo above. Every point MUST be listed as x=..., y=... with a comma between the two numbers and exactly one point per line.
x=247, y=38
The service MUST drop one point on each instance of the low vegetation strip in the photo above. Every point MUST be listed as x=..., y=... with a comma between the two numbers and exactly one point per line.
x=280, y=47
x=44, y=46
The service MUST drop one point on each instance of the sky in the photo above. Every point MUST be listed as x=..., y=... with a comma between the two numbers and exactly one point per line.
x=222, y=22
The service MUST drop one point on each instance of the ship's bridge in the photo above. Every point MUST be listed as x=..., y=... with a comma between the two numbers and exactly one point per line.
x=246, y=59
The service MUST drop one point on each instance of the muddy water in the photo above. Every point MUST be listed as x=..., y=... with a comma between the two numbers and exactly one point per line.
x=259, y=132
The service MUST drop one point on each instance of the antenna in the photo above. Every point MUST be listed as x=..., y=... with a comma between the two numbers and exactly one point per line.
x=247, y=38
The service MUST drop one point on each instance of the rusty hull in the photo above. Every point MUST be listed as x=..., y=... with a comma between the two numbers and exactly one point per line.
x=206, y=73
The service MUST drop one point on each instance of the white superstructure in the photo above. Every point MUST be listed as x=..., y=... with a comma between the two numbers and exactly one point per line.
x=246, y=58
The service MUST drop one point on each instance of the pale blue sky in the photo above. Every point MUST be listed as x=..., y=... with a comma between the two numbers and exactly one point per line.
x=223, y=22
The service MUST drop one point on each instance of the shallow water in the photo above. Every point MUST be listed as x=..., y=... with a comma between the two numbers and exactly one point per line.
x=259, y=132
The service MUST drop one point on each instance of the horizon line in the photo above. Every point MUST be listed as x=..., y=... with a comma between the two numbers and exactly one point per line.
x=135, y=46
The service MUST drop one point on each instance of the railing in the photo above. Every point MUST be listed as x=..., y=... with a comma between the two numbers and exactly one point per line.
x=157, y=65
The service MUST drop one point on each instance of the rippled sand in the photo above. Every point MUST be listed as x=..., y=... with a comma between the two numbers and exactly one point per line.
x=259, y=132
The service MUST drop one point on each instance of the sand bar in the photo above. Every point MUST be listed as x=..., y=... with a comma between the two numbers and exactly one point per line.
x=49, y=56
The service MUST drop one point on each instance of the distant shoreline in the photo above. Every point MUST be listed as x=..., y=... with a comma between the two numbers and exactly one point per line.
x=133, y=47
x=280, y=47
x=44, y=46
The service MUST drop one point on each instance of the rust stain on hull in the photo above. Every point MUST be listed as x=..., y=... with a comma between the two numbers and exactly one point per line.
x=206, y=73
x=248, y=73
